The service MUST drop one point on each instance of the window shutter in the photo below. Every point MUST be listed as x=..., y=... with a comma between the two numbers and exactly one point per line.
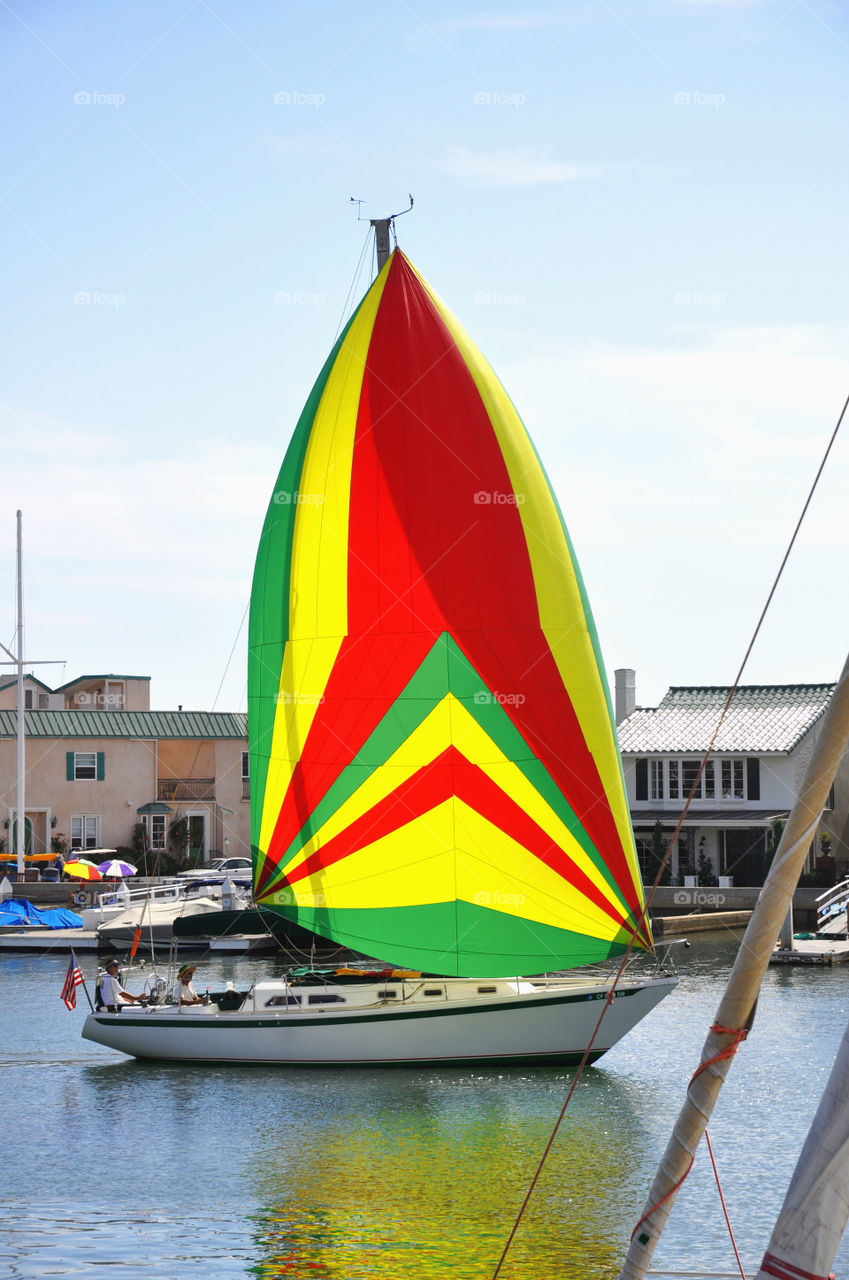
x=69, y=766
x=101, y=766
x=753, y=778
x=642, y=780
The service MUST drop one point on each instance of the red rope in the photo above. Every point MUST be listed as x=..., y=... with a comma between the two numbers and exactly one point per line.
x=724, y=1208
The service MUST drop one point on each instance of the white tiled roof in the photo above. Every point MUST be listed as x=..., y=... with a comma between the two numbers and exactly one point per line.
x=761, y=718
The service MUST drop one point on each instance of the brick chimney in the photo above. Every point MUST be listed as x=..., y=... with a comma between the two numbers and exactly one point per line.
x=626, y=692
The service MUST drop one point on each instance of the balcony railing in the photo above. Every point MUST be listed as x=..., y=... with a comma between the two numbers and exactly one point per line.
x=186, y=789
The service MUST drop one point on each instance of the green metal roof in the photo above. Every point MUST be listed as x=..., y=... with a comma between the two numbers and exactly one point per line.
x=155, y=806
x=126, y=724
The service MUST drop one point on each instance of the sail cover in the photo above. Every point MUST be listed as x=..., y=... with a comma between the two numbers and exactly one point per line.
x=435, y=777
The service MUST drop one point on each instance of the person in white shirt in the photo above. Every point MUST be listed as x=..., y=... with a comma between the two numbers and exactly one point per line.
x=112, y=995
x=184, y=992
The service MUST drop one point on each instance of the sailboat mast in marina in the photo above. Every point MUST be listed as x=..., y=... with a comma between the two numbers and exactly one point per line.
x=435, y=777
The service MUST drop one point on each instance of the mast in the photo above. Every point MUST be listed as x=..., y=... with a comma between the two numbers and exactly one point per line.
x=736, y=1009
x=382, y=228
x=20, y=828
x=17, y=661
x=381, y=240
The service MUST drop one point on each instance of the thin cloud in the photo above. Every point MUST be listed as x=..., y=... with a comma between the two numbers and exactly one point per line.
x=520, y=167
x=501, y=22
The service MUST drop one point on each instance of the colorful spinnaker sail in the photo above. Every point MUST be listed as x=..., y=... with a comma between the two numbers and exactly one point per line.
x=435, y=778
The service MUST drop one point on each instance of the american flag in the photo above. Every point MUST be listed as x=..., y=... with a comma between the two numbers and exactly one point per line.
x=73, y=978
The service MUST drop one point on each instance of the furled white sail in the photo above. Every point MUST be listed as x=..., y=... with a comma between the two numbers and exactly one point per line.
x=813, y=1217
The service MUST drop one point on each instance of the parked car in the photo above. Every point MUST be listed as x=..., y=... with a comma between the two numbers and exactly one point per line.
x=236, y=867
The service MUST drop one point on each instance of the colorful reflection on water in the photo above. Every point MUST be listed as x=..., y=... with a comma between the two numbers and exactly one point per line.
x=421, y=1173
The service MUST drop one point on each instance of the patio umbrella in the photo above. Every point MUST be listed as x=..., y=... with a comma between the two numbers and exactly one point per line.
x=80, y=869
x=115, y=867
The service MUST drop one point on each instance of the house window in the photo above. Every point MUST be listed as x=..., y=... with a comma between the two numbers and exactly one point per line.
x=28, y=699
x=709, y=781
x=85, y=830
x=43, y=701
x=644, y=842
x=154, y=830
x=85, y=766
x=656, y=775
x=731, y=773
x=674, y=781
x=690, y=778
x=246, y=775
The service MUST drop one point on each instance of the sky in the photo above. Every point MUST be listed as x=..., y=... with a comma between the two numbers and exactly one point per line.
x=638, y=211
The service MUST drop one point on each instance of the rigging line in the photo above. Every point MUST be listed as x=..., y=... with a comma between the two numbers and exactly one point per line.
x=724, y=1206
x=644, y=913
x=353, y=285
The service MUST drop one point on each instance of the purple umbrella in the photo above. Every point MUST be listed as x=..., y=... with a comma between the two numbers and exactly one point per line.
x=117, y=868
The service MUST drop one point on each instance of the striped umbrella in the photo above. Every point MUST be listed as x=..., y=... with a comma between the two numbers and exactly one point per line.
x=115, y=867
x=81, y=869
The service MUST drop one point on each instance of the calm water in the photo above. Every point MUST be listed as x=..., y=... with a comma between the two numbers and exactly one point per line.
x=114, y=1168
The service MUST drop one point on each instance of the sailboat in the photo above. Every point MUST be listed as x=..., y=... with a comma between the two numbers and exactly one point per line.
x=436, y=784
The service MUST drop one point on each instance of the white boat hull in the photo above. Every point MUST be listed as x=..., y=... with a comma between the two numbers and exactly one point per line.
x=552, y=1022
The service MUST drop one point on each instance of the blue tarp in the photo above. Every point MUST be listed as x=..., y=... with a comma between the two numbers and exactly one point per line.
x=16, y=911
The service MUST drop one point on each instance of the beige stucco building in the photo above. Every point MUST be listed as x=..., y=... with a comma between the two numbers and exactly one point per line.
x=99, y=761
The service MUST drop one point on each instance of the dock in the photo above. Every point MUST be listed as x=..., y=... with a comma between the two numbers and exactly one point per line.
x=816, y=950
x=41, y=940
x=698, y=922
x=829, y=943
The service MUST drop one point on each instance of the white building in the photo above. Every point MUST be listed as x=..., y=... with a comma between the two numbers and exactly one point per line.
x=751, y=778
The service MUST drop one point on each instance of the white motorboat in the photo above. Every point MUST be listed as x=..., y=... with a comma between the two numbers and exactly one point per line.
x=117, y=917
